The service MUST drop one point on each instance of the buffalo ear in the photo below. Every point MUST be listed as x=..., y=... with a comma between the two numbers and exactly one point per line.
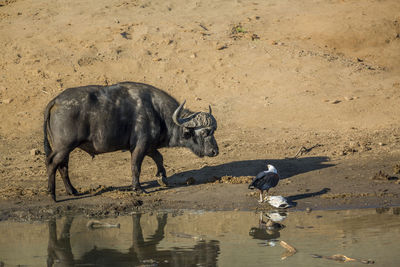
x=187, y=133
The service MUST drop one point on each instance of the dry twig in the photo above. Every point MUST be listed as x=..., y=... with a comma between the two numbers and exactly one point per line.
x=303, y=150
x=290, y=251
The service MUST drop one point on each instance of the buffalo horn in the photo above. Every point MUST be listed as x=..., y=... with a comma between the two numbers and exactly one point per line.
x=186, y=122
x=198, y=119
x=177, y=112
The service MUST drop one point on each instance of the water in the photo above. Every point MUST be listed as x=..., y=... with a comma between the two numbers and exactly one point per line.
x=196, y=238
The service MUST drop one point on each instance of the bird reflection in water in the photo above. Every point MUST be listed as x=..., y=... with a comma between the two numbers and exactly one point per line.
x=269, y=228
x=203, y=253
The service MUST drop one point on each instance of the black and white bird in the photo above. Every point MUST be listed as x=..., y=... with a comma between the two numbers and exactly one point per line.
x=265, y=180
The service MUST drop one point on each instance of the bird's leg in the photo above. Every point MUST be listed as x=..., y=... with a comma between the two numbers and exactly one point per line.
x=261, y=196
x=261, y=218
x=261, y=222
x=266, y=195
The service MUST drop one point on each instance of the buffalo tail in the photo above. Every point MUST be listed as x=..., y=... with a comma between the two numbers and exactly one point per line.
x=46, y=143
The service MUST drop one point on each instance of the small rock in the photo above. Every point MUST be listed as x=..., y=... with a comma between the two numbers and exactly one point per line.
x=335, y=101
x=255, y=37
x=396, y=169
x=35, y=152
x=197, y=99
x=353, y=144
x=193, y=55
x=381, y=144
x=347, y=98
x=308, y=210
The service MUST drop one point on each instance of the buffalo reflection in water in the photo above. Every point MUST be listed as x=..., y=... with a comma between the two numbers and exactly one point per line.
x=204, y=253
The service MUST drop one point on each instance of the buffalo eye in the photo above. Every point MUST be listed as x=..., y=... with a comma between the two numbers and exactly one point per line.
x=188, y=133
x=206, y=132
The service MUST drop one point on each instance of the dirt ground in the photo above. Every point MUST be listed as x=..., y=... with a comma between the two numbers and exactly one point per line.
x=312, y=87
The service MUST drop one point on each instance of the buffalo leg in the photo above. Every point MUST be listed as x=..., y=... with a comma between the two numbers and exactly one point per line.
x=63, y=169
x=59, y=249
x=137, y=156
x=147, y=249
x=158, y=159
x=53, y=161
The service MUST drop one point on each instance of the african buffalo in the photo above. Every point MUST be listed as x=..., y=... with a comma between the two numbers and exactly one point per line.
x=124, y=116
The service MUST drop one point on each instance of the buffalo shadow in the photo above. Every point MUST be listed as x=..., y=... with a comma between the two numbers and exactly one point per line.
x=287, y=168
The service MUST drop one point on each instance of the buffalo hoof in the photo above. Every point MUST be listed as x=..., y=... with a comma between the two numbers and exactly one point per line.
x=53, y=196
x=73, y=191
x=162, y=181
x=139, y=191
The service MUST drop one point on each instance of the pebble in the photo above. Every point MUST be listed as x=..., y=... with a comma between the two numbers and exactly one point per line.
x=7, y=101
x=335, y=101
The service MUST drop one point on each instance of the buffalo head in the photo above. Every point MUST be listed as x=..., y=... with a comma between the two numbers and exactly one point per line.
x=198, y=131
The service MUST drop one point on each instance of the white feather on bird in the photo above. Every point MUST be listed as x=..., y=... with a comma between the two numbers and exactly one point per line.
x=265, y=180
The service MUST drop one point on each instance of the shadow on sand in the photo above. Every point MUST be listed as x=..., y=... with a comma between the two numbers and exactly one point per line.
x=292, y=199
x=287, y=167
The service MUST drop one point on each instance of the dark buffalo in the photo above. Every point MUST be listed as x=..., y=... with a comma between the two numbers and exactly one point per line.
x=125, y=116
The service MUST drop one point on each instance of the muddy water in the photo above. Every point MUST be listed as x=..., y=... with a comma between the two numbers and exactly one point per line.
x=196, y=238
